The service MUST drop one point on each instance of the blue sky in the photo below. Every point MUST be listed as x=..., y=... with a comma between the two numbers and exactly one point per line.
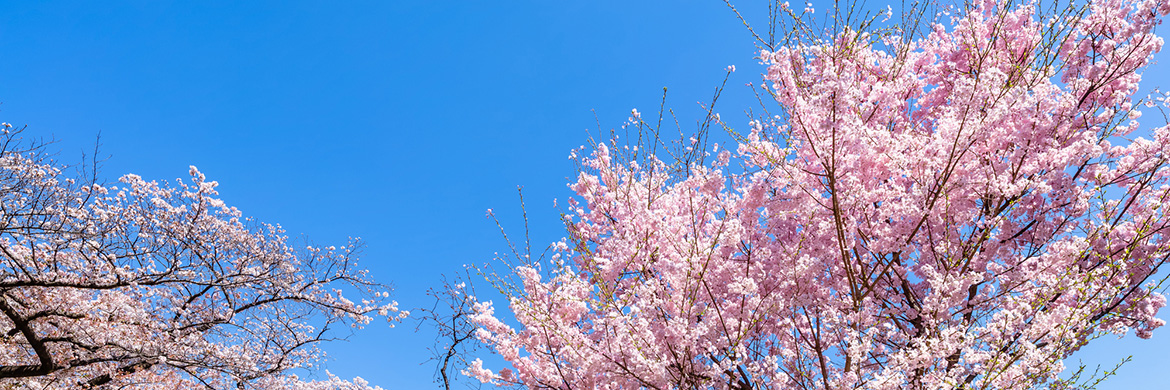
x=398, y=122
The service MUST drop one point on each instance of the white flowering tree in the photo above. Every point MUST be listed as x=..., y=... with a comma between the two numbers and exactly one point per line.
x=154, y=286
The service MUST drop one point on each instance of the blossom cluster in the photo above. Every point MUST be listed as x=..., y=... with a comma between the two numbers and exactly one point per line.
x=962, y=208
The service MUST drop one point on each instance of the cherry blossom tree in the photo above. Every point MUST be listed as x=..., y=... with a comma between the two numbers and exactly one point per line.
x=950, y=202
x=142, y=285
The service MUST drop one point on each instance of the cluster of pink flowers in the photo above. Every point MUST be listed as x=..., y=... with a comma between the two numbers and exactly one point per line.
x=963, y=210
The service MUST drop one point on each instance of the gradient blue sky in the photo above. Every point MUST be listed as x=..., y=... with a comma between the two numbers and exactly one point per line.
x=400, y=122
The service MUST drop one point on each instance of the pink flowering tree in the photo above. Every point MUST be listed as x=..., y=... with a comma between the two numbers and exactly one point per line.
x=153, y=286
x=951, y=204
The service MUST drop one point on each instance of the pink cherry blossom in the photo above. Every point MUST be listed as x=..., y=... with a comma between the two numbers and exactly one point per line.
x=956, y=207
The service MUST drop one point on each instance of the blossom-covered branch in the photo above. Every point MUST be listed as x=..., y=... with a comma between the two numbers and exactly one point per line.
x=152, y=285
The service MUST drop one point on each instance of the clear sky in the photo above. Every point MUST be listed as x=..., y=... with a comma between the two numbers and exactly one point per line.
x=400, y=122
